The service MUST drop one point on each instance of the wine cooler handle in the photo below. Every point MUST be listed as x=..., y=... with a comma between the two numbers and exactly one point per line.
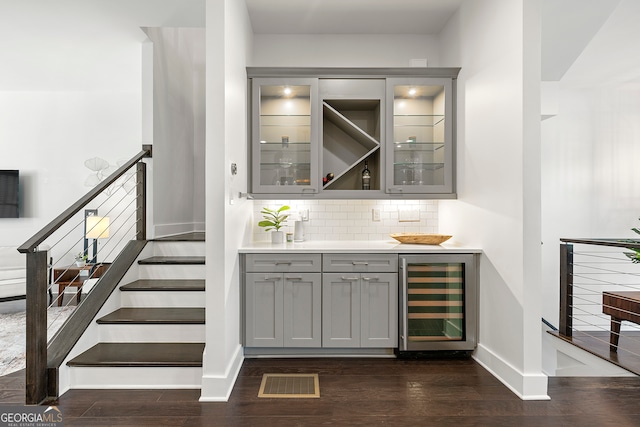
x=403, y=304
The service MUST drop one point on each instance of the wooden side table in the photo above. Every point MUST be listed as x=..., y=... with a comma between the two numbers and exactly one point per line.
x=620, y=306
x=75, y=276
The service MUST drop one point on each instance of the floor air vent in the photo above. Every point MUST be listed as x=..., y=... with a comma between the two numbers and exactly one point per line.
x=297, y=386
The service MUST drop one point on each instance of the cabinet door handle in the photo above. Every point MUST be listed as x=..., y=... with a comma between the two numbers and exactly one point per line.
x=293, y=278
x=283, y=262
x=360, y=262
x=274, y=278
x=349, y=279
x=370, y=278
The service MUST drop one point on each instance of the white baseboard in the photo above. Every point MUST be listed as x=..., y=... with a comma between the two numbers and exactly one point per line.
x=218, y=388
x=525, y=386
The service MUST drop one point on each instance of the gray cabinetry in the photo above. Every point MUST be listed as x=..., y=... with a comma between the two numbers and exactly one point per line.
x=359, y=300
x=420, y=141
x=282, y=300
x=311, y=124
x=359, y=310
x=284, y=136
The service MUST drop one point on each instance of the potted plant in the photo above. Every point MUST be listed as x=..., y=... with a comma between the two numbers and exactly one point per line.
x=273, y=219
x=635, y=255
x=81, y=259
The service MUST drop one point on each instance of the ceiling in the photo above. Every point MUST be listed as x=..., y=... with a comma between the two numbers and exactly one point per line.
x=567, y=26
x=350, y=16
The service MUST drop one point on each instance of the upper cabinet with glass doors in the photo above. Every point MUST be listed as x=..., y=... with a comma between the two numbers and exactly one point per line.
x=284, y=136
x=420, y=139
x=317, y=133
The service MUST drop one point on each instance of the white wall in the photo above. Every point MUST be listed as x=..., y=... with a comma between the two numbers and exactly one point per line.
x=343, y=50
x=70, y=89
x=496, y=150
x=178, y=129
x=590, y=176
x=229, y=39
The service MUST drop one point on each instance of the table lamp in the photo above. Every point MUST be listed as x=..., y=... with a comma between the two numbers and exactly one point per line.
x=97, y=227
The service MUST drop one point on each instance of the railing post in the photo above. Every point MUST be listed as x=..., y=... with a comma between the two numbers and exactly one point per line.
x=36, y=340
x=141, y=201
x=566, y=289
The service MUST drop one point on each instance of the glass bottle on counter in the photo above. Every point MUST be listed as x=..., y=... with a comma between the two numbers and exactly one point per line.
x=366, y=177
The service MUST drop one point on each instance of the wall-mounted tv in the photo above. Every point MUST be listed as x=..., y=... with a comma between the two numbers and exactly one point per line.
x=9, y=192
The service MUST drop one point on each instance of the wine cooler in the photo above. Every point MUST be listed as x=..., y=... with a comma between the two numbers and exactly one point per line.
x=438, y=302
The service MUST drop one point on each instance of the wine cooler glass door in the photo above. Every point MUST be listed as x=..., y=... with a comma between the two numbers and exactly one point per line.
x=436, y=304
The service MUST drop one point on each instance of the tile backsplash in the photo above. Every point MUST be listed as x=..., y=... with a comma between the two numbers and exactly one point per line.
x=353, y=219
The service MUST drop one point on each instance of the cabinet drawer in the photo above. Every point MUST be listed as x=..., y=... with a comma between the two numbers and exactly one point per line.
x=344, y=263
x=271, y=263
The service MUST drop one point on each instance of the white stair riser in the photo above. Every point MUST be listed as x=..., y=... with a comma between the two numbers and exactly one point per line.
x=151, y=333
x=135, y=377
x=178, y=249
x=159, y=271
x=186, y=299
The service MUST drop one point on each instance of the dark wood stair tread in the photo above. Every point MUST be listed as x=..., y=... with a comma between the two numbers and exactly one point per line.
x=164, y=285
x=141, y=355
x=154, y=315
x=172, y=260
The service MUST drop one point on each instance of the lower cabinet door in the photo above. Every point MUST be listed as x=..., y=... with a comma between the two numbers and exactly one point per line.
x=263, y=310
x=341, y=310
x=379, y=310
x=302, y=310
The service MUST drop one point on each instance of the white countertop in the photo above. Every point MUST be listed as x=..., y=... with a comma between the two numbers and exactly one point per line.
x=354, y=246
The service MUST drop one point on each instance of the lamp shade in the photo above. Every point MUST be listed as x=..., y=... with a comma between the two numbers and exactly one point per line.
x=97, y=227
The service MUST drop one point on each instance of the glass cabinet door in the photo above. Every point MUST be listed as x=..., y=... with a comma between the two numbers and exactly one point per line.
x=284, y=140
x=420, y=144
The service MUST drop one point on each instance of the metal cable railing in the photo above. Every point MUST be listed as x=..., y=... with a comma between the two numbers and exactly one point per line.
x=72, y=252
x=120, y=208
x=600, y=298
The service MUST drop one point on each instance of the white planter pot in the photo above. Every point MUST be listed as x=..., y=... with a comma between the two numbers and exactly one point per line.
x=277, y=237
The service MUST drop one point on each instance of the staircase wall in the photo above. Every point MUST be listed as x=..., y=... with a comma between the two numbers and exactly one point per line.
x=565, y=360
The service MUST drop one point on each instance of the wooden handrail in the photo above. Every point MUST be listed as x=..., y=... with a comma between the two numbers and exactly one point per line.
x=616, y=243
x=31, y=244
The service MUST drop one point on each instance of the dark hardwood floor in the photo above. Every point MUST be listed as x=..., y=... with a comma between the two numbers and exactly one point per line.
x=359, y=392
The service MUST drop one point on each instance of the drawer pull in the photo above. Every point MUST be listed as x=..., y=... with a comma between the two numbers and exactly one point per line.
x=293, y=278
x=350, y=279
x=360, y=262
x=368, y=279
x=283, y=262
x=272, y=278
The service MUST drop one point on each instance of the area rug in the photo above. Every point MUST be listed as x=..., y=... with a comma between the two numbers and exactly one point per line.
x=13, y=336
x=297, y=386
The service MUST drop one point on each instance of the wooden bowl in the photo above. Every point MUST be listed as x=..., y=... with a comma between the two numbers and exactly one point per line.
x=420, y=238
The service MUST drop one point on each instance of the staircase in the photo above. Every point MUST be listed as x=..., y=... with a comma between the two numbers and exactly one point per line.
x=155, y=337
